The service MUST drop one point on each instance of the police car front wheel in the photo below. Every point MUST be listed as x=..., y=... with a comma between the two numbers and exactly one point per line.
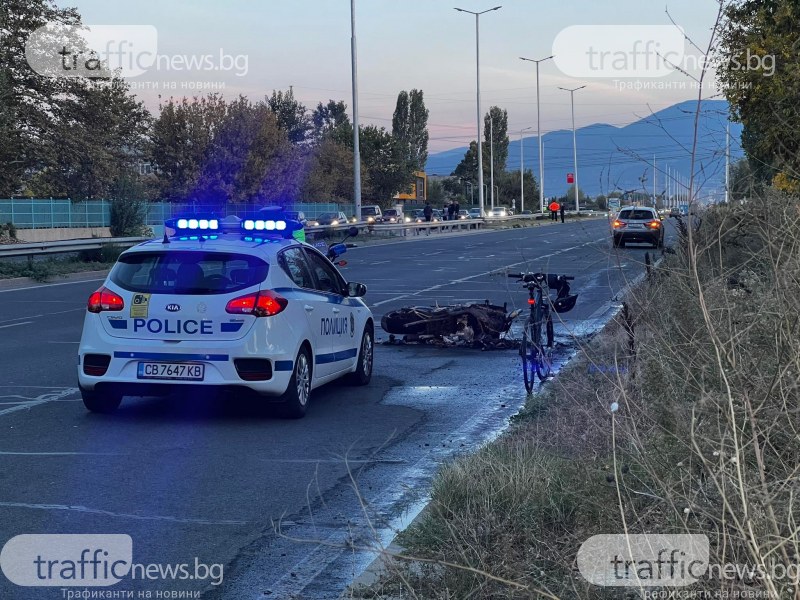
x=363, y=372
x=101, y=402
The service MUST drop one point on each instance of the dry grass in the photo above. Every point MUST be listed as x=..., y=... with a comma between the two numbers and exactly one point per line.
x=704, y=365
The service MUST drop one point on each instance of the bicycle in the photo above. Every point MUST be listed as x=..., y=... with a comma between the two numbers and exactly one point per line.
x=536, y=347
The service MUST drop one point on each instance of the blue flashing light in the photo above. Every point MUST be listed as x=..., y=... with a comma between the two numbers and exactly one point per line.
x=194, y=224
x=264, y=225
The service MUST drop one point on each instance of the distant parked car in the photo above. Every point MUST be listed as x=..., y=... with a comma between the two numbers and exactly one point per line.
x=526, y=212
x=371, y=213
x=475, y=213
x=464, y=214
x=296, y=215
x=392, y=215
x=331, y=218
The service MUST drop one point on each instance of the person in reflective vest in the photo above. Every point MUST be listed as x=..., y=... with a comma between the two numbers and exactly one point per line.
x=554, y=206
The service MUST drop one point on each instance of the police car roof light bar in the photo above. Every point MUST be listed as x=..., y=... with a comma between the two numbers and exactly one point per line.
x=282, y=226
x=194, y=224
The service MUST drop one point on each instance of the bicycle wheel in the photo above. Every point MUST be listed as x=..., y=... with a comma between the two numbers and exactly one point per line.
x=527, y=351
x=544, y=366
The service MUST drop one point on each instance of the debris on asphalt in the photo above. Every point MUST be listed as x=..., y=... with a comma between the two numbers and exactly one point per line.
x=484, y=326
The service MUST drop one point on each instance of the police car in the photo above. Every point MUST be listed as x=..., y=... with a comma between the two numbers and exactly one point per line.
x=233, y=304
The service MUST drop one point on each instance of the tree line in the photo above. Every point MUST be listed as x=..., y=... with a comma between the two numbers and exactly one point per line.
x=84, y=138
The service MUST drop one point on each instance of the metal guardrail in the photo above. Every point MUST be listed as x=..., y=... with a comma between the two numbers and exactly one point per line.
x=65, y=246
x=400, y=229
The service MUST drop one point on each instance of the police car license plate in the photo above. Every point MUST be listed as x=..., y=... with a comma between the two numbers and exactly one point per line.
x=159, y=370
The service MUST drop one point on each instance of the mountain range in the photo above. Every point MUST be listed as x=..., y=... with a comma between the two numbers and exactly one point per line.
x=621, y=158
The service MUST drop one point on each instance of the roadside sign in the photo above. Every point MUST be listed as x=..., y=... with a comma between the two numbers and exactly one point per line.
x=613, y=203
x=684, y=208
x=570, y=177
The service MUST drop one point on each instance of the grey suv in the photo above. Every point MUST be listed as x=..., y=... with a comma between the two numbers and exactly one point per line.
x=638, y=224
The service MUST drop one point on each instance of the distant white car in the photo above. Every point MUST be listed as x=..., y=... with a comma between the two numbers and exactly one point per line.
x=245, y=307
x=499, y=211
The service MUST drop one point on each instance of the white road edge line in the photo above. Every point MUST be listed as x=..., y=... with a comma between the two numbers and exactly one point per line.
x=43, y=399
x=44, y=285
x=108, y=513
x=16, y=324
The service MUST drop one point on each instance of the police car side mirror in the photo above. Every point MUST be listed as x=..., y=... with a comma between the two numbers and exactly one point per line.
x=352, y=232
x=356, y=290
x=336, y=251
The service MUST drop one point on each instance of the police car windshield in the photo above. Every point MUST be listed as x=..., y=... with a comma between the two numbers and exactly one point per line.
x=190, y=272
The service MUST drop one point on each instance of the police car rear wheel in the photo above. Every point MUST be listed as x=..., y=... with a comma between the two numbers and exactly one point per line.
x=100, y=402
x=363, y=372
x=299, y=390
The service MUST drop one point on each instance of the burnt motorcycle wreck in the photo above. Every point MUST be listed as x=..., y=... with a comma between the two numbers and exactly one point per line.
x=473, y=325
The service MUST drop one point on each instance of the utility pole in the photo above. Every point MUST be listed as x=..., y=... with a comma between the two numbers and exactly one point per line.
x=356, y=149
x=727, y=162
x=655, y=173
x=539, y=131
x=574, y=143
x=478, y=96
x=491, y=155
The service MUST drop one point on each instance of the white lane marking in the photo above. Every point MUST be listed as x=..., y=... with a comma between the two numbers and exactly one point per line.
x=16, y=324
x=43, y=399
x=59, y=454
x=463, y=279
x=57, y=342
x=59, y=312
x=108, y=513
x=379, y=262
x=44, y=285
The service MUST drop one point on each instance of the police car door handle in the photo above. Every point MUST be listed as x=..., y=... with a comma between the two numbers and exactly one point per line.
x=308, y=307
x=336, y=310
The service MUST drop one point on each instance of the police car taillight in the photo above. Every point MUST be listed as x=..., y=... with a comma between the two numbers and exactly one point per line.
x=262, y=304
x=104, y=299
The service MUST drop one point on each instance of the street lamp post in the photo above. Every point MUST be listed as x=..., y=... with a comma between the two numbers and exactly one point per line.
x=539, y=130
x=491, y=156
x=478, y=88
x=522, y=171
x=356, y=149
x=574, y=142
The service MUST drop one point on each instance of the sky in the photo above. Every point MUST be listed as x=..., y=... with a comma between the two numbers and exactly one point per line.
x=405, y=44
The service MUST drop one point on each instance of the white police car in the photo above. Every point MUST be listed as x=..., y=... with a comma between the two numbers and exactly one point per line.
x=233, y=304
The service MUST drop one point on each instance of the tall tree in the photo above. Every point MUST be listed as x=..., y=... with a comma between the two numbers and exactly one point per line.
x=468, y=167
x=330, y=173
x=249, y=159
x=759, y=71
x=386, y=162
x=29, y=100
x=410, y=127
x=495, y=128
x=292, y=115
x=330, y=117
x=100, y=133
x=181, y=141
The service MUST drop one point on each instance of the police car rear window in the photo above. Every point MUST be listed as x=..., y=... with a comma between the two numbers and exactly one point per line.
x=189, y=273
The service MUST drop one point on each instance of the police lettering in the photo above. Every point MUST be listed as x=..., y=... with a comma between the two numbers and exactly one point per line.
x=174, y=326
x=336, y=326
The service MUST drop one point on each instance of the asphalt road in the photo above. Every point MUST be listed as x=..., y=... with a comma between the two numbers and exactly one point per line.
x=272, y=500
